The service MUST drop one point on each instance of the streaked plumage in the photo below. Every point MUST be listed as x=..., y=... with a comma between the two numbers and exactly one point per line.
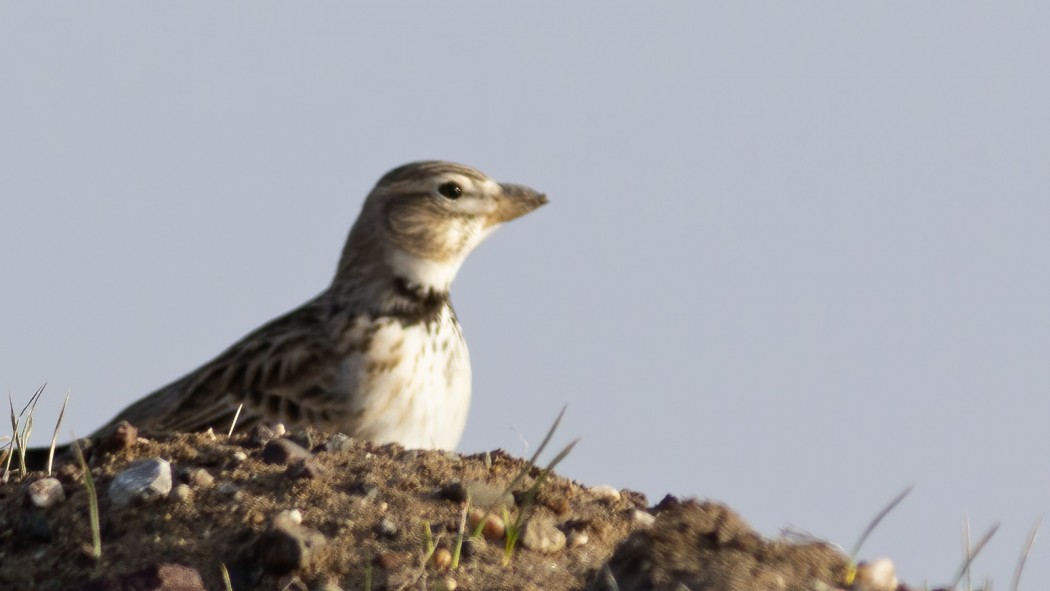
x=379, y=353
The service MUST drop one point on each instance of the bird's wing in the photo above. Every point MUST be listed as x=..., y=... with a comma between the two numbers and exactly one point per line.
x=283, y=372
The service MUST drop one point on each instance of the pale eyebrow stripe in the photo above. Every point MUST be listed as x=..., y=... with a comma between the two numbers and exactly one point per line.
x=429, y=168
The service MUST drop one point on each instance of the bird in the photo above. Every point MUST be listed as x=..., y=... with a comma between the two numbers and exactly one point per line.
x=377, y=355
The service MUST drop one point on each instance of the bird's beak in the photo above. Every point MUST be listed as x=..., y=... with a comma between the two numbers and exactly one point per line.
x=516, y=201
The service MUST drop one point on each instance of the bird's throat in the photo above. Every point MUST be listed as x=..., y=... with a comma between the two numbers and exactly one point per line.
x=423, y=274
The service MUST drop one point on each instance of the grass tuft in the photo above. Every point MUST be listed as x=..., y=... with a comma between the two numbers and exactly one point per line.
x=513, y=530
x=21, y=430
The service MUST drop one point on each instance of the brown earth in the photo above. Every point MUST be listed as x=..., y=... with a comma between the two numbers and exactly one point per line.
x=347, y=514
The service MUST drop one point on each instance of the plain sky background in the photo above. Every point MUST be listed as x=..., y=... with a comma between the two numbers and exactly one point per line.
x=797, y=255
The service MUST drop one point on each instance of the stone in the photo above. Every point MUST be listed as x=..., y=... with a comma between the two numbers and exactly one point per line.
x=288, y=545
x=46, y=492
x=339, y=442
x=442, y=558
x=261, y=434
x=493, y=527
x=577, y=539
x=283, y=451
x=605, y=492
x=200, y=478
x=641, y=518
x=541, y=535
x=182, y=493
x=123, y=436
x=386, y=528
x=877, y=575
x=143, y=481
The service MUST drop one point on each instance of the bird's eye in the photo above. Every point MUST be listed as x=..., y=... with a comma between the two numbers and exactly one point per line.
x=450, y=190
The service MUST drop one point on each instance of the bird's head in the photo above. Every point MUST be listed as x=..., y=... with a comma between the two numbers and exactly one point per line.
x=423, y=219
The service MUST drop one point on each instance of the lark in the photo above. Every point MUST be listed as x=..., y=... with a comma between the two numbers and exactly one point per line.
x=379, y=354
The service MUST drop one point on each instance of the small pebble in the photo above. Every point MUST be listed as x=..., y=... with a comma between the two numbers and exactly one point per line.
x=605, y=493
x=339, y=442
x=386, y=528
x=577, y=539
x=182, y=493
x=45, y=493
x=283, y=451
x=123, y=436
x=288, y=545
x=642, y=518
x=145, y=480
x=442, y=558
x=493, y=528
x=877, y=575
x=239, y=456
x=449, y=583
x=229, y=489
x=542, y=535
x=261, y=434
x=201, y=478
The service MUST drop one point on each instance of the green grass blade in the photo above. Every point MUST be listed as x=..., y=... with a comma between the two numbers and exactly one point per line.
x=89, y=484
x=226, y=583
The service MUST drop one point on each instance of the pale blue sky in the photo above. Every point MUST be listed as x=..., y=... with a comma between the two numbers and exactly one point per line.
x=796, y=256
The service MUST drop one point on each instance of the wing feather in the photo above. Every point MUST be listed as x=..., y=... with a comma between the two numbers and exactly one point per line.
x=284, y=371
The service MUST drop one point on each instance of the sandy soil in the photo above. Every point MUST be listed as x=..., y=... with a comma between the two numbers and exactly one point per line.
x=321, y=512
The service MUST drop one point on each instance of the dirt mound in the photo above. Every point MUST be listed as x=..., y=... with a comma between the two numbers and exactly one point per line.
x=318, y=511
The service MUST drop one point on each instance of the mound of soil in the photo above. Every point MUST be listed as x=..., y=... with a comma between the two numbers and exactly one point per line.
x=315, y=511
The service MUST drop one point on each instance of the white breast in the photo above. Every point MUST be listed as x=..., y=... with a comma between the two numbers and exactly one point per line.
x=412, y=384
